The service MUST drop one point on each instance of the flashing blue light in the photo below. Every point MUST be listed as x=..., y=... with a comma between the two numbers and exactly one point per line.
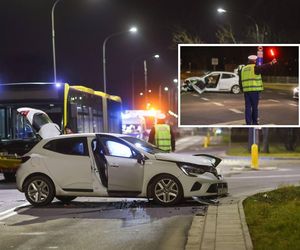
x=58, y=84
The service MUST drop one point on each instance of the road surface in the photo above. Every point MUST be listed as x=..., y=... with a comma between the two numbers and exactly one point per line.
x=276, y=107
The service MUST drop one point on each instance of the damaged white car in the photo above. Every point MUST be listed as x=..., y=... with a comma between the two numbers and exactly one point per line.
x=110, y=165
x=216, y=81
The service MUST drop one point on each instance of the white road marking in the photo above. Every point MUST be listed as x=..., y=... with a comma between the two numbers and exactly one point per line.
x=272, y=100
x=281, y=93
x=237, y=122
x=33, y=233
x=195, y=95
x=205, y=99
x=236, y=111
x=293, y=104
x=12, y=211
x=218, y=103
x=263, y=177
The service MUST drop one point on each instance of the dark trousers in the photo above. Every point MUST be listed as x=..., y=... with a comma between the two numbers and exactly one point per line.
x=251, y=107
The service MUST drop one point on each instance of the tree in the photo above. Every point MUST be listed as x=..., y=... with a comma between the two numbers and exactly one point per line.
x=182, y=36
x=225, y=34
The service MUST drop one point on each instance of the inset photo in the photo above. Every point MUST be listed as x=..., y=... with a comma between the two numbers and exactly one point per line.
x=239, y=85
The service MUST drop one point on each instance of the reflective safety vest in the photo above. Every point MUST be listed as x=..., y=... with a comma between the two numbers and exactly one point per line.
x=163, y=137
x=251, y=81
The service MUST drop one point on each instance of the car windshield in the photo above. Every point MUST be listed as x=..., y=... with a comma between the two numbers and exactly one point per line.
x=149, y=148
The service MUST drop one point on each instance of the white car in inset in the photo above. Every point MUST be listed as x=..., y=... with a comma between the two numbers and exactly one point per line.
x=216, y=81
x=110, y=165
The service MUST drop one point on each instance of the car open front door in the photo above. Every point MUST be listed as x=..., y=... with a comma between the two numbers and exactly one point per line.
x=125, y=173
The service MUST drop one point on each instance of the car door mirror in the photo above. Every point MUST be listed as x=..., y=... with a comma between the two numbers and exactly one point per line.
x=141, y=159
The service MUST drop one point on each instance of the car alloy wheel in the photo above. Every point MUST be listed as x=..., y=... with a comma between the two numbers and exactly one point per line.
x=39, y=190
x=167, y=190
x=235, y=89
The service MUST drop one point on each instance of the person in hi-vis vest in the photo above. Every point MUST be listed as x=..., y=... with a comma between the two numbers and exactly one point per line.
x=162, y=135
x=252, y=85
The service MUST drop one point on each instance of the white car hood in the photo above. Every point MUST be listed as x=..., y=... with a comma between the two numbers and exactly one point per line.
x=199, y=160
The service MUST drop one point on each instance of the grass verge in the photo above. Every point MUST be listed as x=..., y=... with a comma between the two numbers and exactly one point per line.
x=273, y=219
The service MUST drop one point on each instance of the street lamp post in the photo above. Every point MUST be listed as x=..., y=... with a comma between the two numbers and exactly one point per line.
x=221, y=11
x=132, y=30
x=53, y=39
x=145, y=78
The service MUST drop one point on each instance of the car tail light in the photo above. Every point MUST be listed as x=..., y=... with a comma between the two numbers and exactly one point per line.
x=25, y=158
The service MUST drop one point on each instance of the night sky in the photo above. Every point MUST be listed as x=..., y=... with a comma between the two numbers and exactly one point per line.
x=82, y=25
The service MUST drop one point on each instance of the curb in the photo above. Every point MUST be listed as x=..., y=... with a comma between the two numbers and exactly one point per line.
x=245, y=229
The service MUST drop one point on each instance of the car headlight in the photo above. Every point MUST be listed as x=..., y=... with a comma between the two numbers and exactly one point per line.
x=194, y=170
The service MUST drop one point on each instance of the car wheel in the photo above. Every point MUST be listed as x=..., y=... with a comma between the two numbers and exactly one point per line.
x=235, y=89
x=66, y=199
x=39, y=190
x=166, y=190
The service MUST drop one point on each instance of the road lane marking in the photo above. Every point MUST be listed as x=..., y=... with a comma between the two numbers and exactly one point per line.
x=13, y=211
x=293, y=104
x=195, y=95
x=265, y=176
x=218, y=103
x=237, y=122
x=236, y=111
x=281, y=93
x=33, y=233
x=205, y=99
x=272, y=100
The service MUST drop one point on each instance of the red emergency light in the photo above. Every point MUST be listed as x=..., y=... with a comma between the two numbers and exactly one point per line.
x=272, y=53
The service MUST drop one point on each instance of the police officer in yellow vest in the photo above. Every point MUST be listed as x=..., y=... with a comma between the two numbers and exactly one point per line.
x=162, y=135
x=252, y=85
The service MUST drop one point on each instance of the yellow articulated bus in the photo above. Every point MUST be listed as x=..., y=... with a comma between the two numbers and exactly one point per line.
x=80, y=108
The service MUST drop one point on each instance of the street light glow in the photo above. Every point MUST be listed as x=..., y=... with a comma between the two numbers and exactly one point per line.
x=141, y=93
x=221, y=10
x=175, y=80
x=149, y=90
x=166, y=88
x=156, y=56
x=133, y=29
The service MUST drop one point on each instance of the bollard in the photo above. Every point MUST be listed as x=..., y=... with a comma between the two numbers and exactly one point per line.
x=254, y=156
x=205, y=143
x=208, y=139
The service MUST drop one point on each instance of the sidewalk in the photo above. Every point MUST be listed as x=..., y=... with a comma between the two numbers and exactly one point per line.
x=223, y=227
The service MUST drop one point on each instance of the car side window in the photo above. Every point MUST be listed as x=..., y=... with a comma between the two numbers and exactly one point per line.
x=212, y=79
x=69, y=146
x=118, y=149
x=227, y=76
x=115, y=147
